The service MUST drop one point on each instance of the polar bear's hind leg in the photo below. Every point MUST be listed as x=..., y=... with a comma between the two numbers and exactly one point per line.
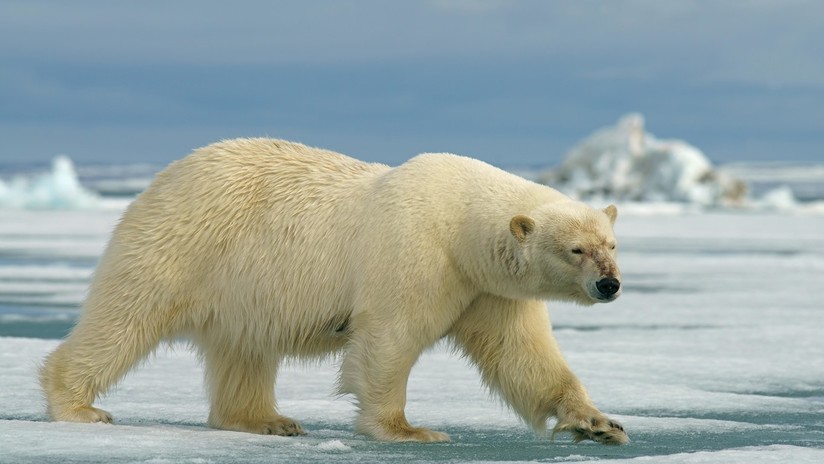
x=99, y=351
x=241, y=383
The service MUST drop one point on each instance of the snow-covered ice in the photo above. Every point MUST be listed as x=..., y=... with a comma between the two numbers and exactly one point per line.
x=626, y=163
x=713, y=354
x=59, y=188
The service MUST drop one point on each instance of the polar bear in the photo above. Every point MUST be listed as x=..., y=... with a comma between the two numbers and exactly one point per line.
x=259, y=250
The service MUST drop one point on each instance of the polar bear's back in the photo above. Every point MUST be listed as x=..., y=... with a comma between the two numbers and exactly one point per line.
x=247, y=186
x=253, y=226
x=261, y=171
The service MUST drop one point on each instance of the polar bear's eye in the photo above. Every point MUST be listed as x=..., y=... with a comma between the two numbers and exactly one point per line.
x=578, y=251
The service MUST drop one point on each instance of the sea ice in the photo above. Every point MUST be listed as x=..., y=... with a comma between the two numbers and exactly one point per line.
x=58, y=189
x=712, y=354
x=626, y=163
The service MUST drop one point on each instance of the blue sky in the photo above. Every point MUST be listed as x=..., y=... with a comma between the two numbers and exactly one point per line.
x=512, y=83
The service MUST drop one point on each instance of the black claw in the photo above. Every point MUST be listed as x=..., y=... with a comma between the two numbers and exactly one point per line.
x=593, y=421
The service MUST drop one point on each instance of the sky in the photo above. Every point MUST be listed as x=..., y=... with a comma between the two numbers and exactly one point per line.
x=514, y=83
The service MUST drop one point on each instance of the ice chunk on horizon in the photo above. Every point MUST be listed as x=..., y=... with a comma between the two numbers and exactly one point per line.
x=779, y=198
x=626, y=163
x=59, y=188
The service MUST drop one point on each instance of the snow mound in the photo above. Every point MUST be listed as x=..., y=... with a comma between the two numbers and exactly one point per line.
x=626, y=163
x=56, y=189
x=331, y=445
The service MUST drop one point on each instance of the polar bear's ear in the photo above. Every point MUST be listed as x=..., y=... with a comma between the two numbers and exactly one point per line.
x=612, y=213
x=521, y=226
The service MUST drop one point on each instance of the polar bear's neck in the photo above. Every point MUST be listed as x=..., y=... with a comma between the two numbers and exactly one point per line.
x=470, y=205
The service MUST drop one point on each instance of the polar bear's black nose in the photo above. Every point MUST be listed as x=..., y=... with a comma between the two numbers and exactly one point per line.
x=608, y=286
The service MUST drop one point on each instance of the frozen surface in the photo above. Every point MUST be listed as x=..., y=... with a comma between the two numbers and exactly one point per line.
x=57, y=189
x=47, y=258
x=713, y=354
x=806, y=180
x=125, y=180
x=626, y=163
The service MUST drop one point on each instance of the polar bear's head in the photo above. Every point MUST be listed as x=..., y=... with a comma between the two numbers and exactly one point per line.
x=567, y=252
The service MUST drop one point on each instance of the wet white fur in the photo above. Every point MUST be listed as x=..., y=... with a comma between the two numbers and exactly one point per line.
x=258, y=250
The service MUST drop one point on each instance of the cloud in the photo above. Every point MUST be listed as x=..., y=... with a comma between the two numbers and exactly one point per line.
x=469, y=75
x=762, y=42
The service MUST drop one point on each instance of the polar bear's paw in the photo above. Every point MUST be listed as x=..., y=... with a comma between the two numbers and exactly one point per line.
x=416, y=434
x=83, y=414
x=595, y=427
x=422, y=435
x=279, y=425
x=396, y=428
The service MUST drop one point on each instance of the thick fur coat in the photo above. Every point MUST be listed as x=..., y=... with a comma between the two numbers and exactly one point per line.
x=259, y=250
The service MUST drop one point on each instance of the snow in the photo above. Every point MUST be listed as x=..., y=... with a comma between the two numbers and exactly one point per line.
x=712, y=354
x=626, y=163
x=58, y=189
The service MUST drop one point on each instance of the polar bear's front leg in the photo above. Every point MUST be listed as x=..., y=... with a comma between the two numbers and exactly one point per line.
x=511, y=342
x=379, y=357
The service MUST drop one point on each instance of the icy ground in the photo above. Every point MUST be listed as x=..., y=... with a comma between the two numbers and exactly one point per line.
x=713, y=354
x=628, y=163
x=59, y=188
